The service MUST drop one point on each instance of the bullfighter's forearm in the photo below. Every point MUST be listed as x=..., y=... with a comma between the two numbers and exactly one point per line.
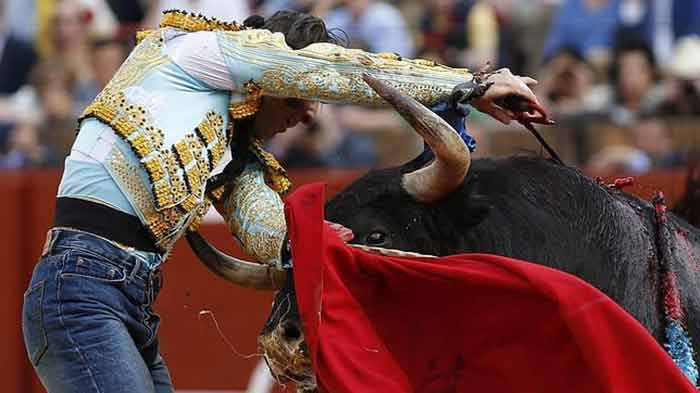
x=254, y=214
x=330, y=73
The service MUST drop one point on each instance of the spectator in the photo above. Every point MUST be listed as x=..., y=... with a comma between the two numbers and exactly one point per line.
x=372, y=24
x=587, y=25
x=316, y=7
x=16, y=58
x=648, y=146
x=53, y=83
x=130, y=15
x=661, y=22
x=565, y=82
x=619, y=159
x=69, y=22
x=634, y=90
x=26, y=149
x=107, y=57
x=71, y=49
x=20, y=19
x=682, y=90
x=651, y=135
x=463, y=33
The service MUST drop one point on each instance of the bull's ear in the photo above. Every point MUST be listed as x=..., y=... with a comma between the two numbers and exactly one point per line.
x=237, y=271
x=472, y=205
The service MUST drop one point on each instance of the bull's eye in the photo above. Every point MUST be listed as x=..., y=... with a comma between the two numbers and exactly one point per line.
x=375, y=238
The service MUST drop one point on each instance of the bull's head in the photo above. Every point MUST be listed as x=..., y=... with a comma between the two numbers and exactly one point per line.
x=282, y=339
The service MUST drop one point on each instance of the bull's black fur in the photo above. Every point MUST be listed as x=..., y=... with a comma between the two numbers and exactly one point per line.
x=533, y=209
x=284, y=306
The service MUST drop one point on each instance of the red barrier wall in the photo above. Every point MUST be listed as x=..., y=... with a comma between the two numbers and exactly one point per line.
x=196, y=353
x=198, y=357
x=13, y=366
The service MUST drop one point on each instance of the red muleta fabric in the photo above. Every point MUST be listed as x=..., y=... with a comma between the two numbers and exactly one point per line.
x=463, y=323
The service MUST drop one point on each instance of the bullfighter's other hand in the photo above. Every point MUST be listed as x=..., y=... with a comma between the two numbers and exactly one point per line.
x=344, y=233
x=505, y=84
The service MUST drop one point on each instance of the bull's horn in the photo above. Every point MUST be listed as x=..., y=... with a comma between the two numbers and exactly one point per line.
x=237, y=271
x=452, y=161
x=390, y=252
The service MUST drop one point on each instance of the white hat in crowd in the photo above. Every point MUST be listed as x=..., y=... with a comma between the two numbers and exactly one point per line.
x=685, y=63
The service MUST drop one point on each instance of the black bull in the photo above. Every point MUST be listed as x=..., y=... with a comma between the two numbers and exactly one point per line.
x=522, y=207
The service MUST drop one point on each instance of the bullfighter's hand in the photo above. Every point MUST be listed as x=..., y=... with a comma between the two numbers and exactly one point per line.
x=505, y=84
x=344, y=233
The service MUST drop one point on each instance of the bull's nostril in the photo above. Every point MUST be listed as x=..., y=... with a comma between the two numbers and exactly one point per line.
x=291, y=331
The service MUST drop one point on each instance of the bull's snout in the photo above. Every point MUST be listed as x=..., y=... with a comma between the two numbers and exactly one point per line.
x=291, y=332
x=287, y=356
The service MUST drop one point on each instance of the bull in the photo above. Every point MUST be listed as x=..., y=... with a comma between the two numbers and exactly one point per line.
x=522, y=207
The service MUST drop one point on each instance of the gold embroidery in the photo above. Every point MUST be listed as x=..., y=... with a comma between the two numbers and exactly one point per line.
x=250, y=105
x=142, y=35
x=190, y=203
x=173, y=199
x=215, y=195
x=179, y=188
x=206, y=133
x=163, y=193
x=275, y=174
x=201, y=212
x=217, y=151
x=183, y=153
x=165, y=225
x=146, y=56
x=155, y=169
x=211, y=133
x=328, y=85
x=191, y=22
x=202, y=161
x=212, y=130
x=193, y=177
x=255, y=214
x=141, y=145
x=182, y=170
x=327, y=72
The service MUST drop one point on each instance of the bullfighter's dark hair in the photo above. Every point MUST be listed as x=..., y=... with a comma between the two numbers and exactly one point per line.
x=300, y=29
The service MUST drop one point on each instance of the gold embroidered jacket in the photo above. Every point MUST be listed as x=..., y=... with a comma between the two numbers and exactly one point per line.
x=174, y=128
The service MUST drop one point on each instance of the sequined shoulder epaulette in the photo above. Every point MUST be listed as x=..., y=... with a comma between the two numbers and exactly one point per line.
x=191, y=22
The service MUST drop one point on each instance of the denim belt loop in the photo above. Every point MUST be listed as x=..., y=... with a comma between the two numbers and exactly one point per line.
x=135, y=270
x=48, y=244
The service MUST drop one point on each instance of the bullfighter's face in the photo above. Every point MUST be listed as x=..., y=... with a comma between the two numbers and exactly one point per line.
x=276, y=115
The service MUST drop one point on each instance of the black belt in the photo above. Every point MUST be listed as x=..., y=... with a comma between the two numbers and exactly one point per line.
x=103, y=221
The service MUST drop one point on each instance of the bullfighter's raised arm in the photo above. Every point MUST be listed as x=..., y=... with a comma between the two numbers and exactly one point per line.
x=330, y=73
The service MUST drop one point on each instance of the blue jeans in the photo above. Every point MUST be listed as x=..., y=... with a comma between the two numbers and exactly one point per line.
x=87, y=319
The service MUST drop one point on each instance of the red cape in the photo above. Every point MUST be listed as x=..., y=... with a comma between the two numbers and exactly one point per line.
x=463, y=323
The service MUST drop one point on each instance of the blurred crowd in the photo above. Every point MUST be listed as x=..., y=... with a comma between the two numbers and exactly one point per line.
x=619, y=73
